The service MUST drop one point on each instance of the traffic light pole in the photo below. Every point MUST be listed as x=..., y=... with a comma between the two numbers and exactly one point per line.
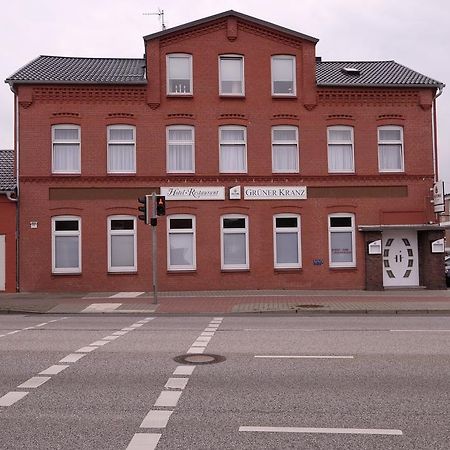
x=154, y=251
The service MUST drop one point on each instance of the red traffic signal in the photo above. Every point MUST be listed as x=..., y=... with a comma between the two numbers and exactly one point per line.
x=160, y=205
x=145, y=208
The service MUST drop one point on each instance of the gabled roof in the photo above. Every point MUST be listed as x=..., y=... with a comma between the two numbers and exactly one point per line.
x=236, y=14
x=7, y=176
x=60, y=69
x=370, y=74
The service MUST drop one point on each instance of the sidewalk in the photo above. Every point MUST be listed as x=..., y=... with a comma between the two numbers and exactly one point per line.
x=231, y=302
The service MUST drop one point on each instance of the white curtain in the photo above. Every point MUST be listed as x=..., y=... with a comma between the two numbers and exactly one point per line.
x=66, y=252
x=122, y=251
x=341, y=247
x=340, y=157
x=285, y=158
x=390, y=157
x=232, y=158
x=283, y=75
x=180, y=157
x=121, y=134
x=231, y=75
x=66, y=157
x=179, y=67
x=66, y=134
x=287, y=248
x=122, y=158
x=181, y=249
x=234, y=249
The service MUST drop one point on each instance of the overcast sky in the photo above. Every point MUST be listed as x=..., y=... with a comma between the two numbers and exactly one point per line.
x=415, y=33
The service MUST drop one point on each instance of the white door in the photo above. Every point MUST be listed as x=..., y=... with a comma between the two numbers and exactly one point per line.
x=2, y=263
x=400, y=258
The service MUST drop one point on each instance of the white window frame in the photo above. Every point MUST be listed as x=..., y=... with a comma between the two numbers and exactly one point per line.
x=350, y=229
x=225, y=143
x=111, y=233
x=242, y=74
x=331, y=143
x=112, y=142
x=294, y=83
x=282, y=230
x=179, y=56
x=395, y=142
x=63, y=141
x=191, y=143
x=71, y=233
x=192, y=230
x=280, y=143
x=224, y=231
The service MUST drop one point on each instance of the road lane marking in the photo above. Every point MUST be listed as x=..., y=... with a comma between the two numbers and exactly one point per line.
x=101, y=307
x=168, y=398
x=73, y=357
x=176, y=383
x=34, y=382
x=422, y=331
x=196, y=350
x=305, y=356
x=119, y=333
x=126, y=295
x=54, y=370
x=98, y=343
x=322, y=430
x=210, y=329
x=203, y=339
x=127, y=329
x=87, y=349
x=11, y=397
x=207, y=333
x=110, y=338
x=42, y=324
x=184, y=370
x=156, y=419
x=136, y=325
x=144, y=441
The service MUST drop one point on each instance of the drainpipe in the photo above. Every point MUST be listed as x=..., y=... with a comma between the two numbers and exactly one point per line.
x=434, y=125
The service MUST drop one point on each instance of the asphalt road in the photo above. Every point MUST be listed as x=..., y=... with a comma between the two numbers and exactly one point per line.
x=287, y=382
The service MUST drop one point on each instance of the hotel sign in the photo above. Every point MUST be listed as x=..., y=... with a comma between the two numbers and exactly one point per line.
x=194, y=193
x=275, y=193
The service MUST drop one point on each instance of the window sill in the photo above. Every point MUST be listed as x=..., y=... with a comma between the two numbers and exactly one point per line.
x=234, y=270
x=179, y=95
x=134, y=272
x=181, y=271
x=287, y=269
x=284, y=96
x=344, y=269
x=70, y=274
x=232, y=96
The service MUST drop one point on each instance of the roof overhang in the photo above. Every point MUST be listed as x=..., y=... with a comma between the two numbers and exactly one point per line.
x=417, y=227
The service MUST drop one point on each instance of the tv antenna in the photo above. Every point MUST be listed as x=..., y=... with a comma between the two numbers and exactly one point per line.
x=160, y=13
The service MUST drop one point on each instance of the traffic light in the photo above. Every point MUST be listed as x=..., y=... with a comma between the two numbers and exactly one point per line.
x=145, y=209
x=160, y=205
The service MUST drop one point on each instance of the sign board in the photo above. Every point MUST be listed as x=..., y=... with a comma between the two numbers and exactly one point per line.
x=438, y=197
x=438, y=246
x=194, y=193
x=374, y=248
x=274, y=192
x=235, y=193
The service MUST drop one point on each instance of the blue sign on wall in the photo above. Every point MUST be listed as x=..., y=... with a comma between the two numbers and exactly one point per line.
x=317, y=262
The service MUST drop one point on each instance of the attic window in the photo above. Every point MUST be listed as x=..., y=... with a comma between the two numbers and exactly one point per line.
x=351, y=71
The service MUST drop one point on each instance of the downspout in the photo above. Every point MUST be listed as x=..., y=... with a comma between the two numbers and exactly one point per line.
x=434, y=125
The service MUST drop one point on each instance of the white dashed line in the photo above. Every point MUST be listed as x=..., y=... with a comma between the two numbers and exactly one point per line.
x=119, y=333
x=73, y=357
x=144, y=441
x=110, y=338
x=305, y=356
x=42, y=324
x=11, y=397
x=168, y=398
x=176, y=383
x=196, y=350
x=184, y=370
x=101, y=307
x=33, y=382
x=87, y=349
x=53, y=370
x=100, y=343
x=156, y=419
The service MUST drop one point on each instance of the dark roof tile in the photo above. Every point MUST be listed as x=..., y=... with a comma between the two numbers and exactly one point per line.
x=7, y=176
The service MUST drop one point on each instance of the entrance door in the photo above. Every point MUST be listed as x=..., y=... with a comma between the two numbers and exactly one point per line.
x=2, y=263
x=400, y=258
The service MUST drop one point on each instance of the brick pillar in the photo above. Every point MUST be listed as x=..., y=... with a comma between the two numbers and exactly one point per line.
x=431, y=265
x=374, y=268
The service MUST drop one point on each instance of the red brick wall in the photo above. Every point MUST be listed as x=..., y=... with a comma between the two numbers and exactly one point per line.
x=8, y=228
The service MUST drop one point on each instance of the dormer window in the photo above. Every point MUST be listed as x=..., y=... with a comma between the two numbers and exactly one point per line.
x=179, y=74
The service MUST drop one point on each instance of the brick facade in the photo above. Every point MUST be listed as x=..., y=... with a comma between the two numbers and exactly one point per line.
x=373, y=198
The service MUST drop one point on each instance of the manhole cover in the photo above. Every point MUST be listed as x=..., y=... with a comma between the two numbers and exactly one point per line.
x=199, y=358
x=309, y=306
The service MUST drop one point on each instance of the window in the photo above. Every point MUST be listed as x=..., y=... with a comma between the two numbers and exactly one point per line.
x=233, y=149
x=181, y=243
x=122, y=244
x=234, y=242
x=179, y=74
x=285, y=149
x=66, y=155
x=390, y=149
x=283, y=75
x=286, y=240
x=341, y=236
x=121, y=149
x=231, y=75
x=66, y=244
x=340, y=149
x=180, y=148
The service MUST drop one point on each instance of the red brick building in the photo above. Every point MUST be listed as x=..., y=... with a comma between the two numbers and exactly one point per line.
x=281, y=171
x=8, y=198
